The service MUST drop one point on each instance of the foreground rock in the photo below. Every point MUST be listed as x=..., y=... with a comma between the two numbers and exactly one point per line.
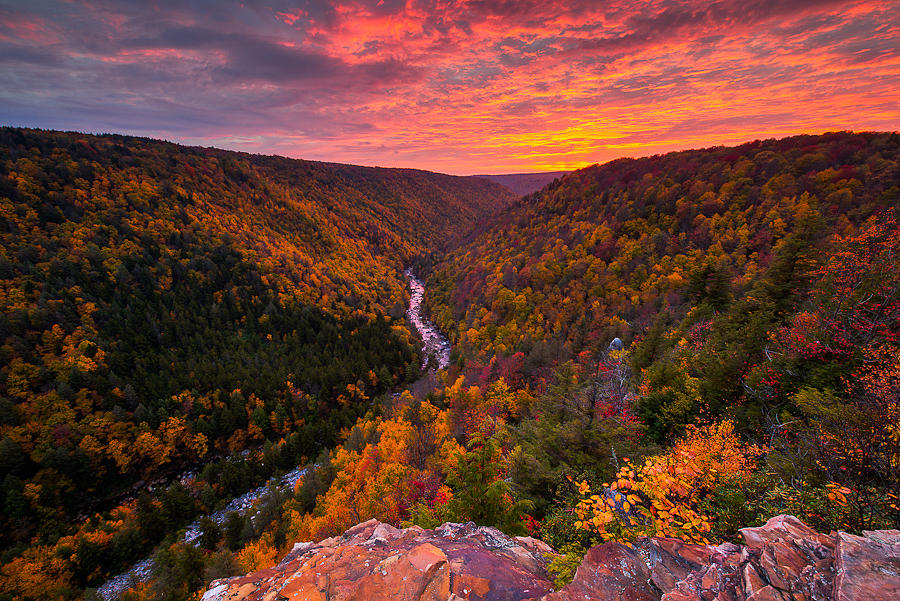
x=784, y=560
x=611, y=572
x=375, y=561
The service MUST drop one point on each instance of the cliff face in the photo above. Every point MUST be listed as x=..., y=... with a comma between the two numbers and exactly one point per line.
x=781, y=561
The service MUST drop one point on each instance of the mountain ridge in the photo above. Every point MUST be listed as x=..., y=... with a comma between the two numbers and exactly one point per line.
x=525, y=183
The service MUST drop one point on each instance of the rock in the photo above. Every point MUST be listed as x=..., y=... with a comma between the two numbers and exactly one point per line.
x=216, y=591
x=374, y=561
x=766, y=593
x=868, y=567
x=616, y=344
x=791, y=557
x=672, y=560
x=784, y=560
x=609, y=572
x=753, y=582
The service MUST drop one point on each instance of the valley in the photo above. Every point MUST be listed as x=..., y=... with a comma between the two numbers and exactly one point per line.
x=435, y=350
x=256, y=317
x=435, y=346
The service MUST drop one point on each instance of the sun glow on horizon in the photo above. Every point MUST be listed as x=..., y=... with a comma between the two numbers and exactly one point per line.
x=469, y=87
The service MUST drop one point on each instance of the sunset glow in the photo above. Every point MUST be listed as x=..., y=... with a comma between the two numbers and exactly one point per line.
x=475, y=86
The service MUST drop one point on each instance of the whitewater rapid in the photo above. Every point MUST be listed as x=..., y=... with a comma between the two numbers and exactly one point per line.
x=434, y=344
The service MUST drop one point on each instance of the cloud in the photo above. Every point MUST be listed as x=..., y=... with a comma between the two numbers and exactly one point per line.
x=453, y=85
x=18, y=53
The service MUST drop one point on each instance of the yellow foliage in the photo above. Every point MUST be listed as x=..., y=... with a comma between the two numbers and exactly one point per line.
x=31, y=576
x=151, y=449
x=661, y=497
x=199, y=444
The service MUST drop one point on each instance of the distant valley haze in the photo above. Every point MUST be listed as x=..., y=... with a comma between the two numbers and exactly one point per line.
x=524, y=183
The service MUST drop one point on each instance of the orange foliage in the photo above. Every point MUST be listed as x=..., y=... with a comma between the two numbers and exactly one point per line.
x=661, y=497
x=47, y=571
x=257, y=555
x=375, y=481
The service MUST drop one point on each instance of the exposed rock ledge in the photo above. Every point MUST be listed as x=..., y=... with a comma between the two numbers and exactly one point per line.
x=781, y=561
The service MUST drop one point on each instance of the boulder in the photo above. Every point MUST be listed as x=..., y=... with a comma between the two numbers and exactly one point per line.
x=868, y=566
x=609, y=572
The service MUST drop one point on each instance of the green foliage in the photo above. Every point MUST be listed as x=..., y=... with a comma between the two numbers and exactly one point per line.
x=562, y=567
x=572, y=430
x=822, y=506
x=210, y=533
x=429, y=515
x=557, y=527
x=481, y=493
x=177, y=573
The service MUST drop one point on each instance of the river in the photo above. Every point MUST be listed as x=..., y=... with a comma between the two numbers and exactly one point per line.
x=434, y=345
x=140, y=572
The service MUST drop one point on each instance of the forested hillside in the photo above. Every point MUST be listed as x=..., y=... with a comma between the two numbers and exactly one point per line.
x=164, y=305
x=756, y=298
x=757, y=285
x=633, y=245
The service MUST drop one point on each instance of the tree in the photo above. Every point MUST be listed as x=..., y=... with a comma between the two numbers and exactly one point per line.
x=481, y=493
x=210, y=533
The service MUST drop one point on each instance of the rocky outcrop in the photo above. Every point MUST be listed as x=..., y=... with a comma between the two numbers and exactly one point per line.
x=375, y=562
x=784, y=560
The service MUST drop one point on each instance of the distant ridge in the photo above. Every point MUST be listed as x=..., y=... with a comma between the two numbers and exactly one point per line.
x=525, y=183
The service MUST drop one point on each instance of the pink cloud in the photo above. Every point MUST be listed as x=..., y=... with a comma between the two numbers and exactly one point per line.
x=467, y=86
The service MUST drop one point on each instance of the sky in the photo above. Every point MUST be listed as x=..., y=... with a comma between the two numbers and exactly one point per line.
x=468, y=86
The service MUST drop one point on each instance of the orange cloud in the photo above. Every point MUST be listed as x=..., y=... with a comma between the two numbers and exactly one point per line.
x=457, y=86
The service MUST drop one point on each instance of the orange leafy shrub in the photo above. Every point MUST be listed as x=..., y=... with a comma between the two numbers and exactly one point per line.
x=662, y=496
x=257, y=555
